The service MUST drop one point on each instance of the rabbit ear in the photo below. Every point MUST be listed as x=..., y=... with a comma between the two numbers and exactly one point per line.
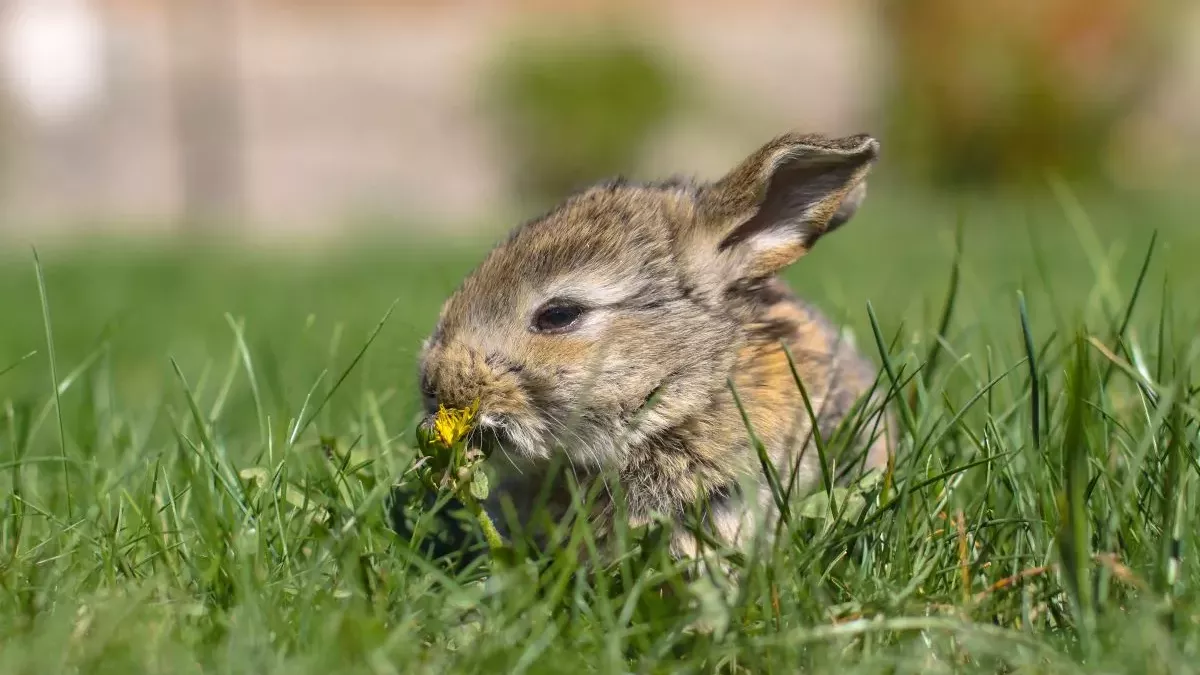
x=773, y=207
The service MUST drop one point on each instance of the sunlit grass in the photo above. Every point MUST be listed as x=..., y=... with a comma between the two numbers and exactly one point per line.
x=232, y=427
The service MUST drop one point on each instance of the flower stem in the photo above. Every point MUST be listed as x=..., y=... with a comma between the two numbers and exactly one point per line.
x=494, y=541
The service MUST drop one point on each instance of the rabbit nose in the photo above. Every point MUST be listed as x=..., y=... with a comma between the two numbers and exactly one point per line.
x=460, y=397
x=457, y=376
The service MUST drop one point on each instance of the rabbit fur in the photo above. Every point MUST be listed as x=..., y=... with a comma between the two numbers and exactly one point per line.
x=612, y=328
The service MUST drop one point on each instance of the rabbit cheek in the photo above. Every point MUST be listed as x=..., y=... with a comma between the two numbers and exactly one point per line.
x=560, y=352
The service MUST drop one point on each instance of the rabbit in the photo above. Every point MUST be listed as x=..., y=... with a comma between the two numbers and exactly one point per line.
x=618, y=327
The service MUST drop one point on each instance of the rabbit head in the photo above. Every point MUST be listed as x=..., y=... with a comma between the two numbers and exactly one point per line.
x=618, y=315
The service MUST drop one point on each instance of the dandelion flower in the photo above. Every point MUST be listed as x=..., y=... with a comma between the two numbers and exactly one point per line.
x=451, y=426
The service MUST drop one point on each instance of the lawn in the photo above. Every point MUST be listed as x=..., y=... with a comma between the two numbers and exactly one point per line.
x=208, y=491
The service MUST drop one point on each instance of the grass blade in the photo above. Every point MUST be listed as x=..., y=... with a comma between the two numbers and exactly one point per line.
x=217, y=462
x=300, y=428
x=906, y=414
x=1174, y=495
x=1035, y=410
x=9, y=368
x=1118, y=337
x=1073, y=539
x=948, y=306
x=813, y=417
x=62, y=434
x=768, y=467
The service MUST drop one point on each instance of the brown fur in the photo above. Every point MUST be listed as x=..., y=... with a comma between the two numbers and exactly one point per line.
x=680, y=284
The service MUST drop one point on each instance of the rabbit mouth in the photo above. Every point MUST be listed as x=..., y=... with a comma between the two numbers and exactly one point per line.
x=506, y=438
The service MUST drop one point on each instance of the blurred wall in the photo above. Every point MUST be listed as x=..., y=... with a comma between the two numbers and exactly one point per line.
x=296, y=116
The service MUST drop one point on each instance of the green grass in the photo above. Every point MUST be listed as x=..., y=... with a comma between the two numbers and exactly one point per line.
x=231, y=423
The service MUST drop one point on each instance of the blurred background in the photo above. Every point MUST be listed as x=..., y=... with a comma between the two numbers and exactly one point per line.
x=171, y=157
x=311, y=117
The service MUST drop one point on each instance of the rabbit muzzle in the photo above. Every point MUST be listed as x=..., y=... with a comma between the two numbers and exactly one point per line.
x=458, y=376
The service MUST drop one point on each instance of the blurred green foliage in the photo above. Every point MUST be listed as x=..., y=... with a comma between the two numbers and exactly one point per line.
x=996, y=90
x=576, y=108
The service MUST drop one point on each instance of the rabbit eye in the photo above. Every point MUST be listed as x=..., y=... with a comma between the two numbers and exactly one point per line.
x=557, y=317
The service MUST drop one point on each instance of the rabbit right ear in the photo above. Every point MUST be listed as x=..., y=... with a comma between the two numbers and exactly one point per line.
x=772, y=208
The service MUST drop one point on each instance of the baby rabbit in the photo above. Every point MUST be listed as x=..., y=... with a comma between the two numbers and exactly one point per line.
x=612, y=328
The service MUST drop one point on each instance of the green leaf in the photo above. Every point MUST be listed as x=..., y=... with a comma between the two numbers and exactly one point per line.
x=817, y=507
x=479, y=486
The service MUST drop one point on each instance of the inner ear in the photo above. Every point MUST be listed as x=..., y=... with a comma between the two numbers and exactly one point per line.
x=849, y=206
x=774, y=206
x=803, y=200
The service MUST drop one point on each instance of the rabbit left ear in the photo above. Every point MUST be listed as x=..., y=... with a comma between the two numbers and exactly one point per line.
x=772, y=208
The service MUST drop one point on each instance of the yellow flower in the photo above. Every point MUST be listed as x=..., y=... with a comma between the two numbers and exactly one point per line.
x=450, y=426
